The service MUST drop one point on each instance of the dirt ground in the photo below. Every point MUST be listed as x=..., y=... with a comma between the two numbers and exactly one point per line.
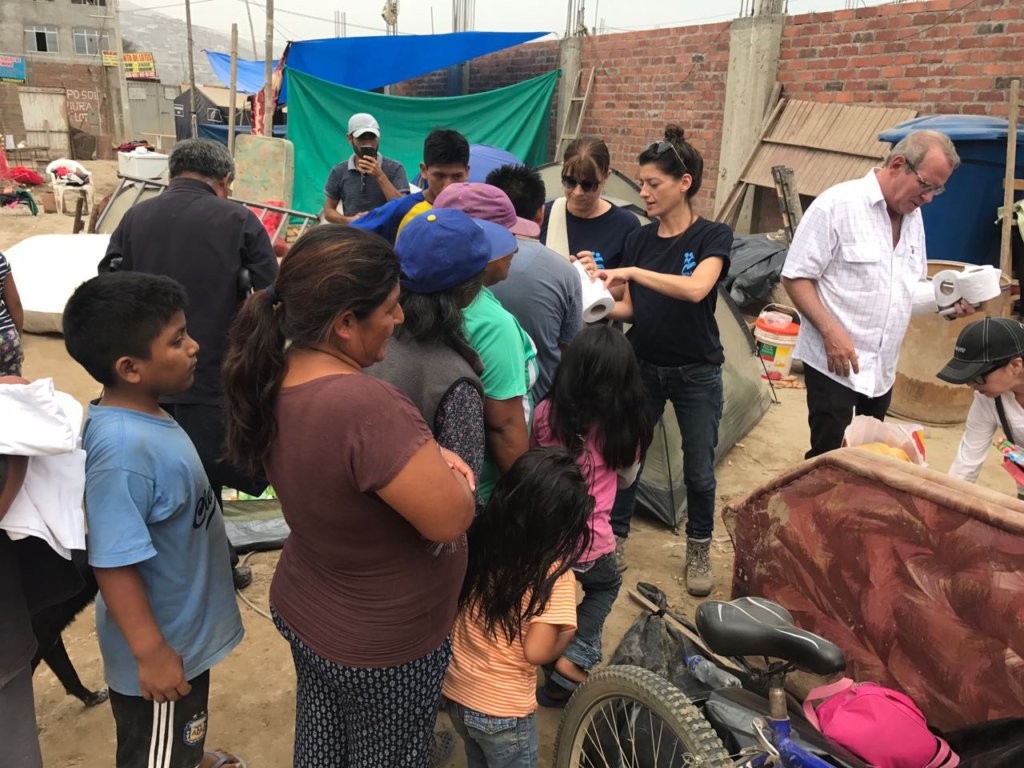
x=252, y=694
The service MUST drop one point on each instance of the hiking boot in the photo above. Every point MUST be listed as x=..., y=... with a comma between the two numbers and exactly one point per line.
x=620, y=554
x=699, y=579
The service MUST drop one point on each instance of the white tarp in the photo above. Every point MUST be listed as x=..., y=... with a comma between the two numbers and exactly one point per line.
x=47, y=269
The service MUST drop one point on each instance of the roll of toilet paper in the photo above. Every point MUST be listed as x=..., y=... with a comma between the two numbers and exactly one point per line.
x=923, y=300
x=597, y=302
x=946, y=287
x=979, y=284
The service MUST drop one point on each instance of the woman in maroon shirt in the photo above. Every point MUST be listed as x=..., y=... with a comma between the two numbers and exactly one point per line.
x=368, y=581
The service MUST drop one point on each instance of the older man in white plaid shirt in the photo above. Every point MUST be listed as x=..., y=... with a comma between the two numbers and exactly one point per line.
x=851, y=271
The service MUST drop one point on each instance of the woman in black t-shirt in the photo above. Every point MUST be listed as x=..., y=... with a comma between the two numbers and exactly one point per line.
x=671, y=270
x=583, y=222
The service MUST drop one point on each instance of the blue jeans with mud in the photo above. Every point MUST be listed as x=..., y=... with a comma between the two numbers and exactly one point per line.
x=601, y=581
x=495, y=742
x=696, y=393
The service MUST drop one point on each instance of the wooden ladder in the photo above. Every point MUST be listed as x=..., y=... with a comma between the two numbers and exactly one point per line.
x=574, y=112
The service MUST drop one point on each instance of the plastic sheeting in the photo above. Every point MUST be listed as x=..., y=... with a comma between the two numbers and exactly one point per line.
x=251, y=74
x=515, y=118
x=220, y=132
x=755, y=267
x=661, y=493
x=366, y=63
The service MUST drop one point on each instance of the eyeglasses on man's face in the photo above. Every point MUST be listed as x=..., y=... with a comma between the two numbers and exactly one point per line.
x=926, y=186
x=661, y=147
x=569, y=184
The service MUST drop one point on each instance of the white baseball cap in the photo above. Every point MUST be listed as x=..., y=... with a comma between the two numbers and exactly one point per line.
x=361, y=123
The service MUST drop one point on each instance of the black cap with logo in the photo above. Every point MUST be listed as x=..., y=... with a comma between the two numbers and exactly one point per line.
x=983, y=346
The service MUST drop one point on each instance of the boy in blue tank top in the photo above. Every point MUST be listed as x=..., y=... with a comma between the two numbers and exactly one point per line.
x=166, y=611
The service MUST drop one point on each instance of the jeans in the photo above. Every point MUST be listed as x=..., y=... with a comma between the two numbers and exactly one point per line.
x=601, y=581
x=696, y=394
x=495, y=742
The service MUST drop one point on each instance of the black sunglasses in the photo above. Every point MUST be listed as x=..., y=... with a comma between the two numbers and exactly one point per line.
x=661, y=147
x=569, y=183
x=980, y=378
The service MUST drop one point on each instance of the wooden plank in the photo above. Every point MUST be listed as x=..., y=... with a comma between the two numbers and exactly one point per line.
x=1009, y=182
x=735, y=195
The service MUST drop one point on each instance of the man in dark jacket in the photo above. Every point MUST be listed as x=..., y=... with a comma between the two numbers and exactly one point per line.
x=196, y=235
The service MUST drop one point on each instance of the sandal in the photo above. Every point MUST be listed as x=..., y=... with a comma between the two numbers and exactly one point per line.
x=225, y=759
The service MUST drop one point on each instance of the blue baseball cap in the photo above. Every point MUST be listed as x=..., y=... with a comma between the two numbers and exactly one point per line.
x=442, y=248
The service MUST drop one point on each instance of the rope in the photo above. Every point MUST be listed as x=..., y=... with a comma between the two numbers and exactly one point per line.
x=246, y=600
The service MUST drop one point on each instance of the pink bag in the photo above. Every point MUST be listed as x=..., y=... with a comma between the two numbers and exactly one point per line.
x=879, y=725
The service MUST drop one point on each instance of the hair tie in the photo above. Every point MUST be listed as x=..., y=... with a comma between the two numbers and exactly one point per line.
x=273, y=295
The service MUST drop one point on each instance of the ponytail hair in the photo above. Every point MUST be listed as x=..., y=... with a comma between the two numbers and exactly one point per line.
x=330, y=270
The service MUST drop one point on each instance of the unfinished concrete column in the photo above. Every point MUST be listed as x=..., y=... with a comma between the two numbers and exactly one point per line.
x=570, y=57
x=754, y=46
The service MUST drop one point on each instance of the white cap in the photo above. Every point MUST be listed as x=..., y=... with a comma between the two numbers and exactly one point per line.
x=361, y=123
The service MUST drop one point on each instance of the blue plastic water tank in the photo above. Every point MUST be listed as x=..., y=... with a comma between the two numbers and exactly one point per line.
x=959, y=224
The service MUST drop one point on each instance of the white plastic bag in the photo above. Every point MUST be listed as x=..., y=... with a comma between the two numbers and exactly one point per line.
x=909, y=438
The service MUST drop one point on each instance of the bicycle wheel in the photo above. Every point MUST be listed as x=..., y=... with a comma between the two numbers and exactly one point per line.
x=629, y=717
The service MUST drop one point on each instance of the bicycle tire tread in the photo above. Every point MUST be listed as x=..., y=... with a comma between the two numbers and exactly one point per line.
x=665, y=700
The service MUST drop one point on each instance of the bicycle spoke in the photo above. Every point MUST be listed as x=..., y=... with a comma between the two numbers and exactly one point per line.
x=631, y=724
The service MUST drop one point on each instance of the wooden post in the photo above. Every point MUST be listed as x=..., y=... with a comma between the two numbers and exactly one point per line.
x=191, y=72
x=233, y=89
x=268, y=87
x=1009, y=182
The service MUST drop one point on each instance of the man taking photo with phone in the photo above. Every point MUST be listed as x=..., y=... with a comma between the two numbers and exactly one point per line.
x=367, y=179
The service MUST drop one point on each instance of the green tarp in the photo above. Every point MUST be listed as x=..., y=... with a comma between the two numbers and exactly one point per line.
x=513, y=118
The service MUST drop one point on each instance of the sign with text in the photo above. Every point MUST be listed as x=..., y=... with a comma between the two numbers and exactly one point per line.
x=109, y=58
x=12, y=69
x=139, y=66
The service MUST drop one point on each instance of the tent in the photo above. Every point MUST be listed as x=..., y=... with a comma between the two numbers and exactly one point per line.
x=515, y=119
x=366, y=63
x=212, y=107
x=661, y=493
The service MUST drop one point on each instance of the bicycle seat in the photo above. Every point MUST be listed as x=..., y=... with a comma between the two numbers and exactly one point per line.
x=753, y=626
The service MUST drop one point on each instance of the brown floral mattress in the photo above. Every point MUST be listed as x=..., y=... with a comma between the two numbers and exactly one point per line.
x=918, y=577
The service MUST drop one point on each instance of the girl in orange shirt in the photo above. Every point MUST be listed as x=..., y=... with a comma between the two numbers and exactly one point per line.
x=517, y=609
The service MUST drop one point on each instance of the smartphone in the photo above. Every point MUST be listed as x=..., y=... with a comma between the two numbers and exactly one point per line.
x=367, y=152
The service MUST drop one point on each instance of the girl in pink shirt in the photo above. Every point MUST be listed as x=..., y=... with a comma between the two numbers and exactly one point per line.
x=596, y=409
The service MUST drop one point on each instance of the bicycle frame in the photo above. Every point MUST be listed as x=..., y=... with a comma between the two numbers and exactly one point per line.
x=774, y=734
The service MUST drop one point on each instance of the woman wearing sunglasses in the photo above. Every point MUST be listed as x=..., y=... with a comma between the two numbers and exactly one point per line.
x=989, y=358
x=670, y=270
x=583, y=223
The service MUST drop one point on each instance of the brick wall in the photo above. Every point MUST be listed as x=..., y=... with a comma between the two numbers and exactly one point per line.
x=941, y=56
x=90, y=103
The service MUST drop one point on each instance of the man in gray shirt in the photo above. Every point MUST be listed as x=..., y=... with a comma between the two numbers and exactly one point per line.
x=367, y=179
x=542, y=290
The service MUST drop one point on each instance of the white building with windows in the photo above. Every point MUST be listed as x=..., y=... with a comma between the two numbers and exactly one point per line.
x=66, y=88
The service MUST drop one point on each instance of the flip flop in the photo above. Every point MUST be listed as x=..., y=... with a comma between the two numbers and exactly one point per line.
x=224, y=759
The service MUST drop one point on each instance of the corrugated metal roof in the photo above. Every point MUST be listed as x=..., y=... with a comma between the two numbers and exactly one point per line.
x=823, y=143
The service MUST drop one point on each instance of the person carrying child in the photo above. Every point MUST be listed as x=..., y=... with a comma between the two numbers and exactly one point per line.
x=12, y=320
x=596, y=410
x=517, y=606
x=166, y=612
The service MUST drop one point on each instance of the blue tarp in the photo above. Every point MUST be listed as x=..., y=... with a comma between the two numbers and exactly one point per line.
x=220, y=132
x=365, y=63
x=251, y=74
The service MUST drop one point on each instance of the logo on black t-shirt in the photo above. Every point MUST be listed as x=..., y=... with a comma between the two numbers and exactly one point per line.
x=689, y=264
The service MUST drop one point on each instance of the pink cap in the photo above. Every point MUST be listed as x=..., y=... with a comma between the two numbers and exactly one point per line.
x=487, y=202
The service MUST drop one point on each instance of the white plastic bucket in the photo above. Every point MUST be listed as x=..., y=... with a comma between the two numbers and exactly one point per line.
x=776, y=331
